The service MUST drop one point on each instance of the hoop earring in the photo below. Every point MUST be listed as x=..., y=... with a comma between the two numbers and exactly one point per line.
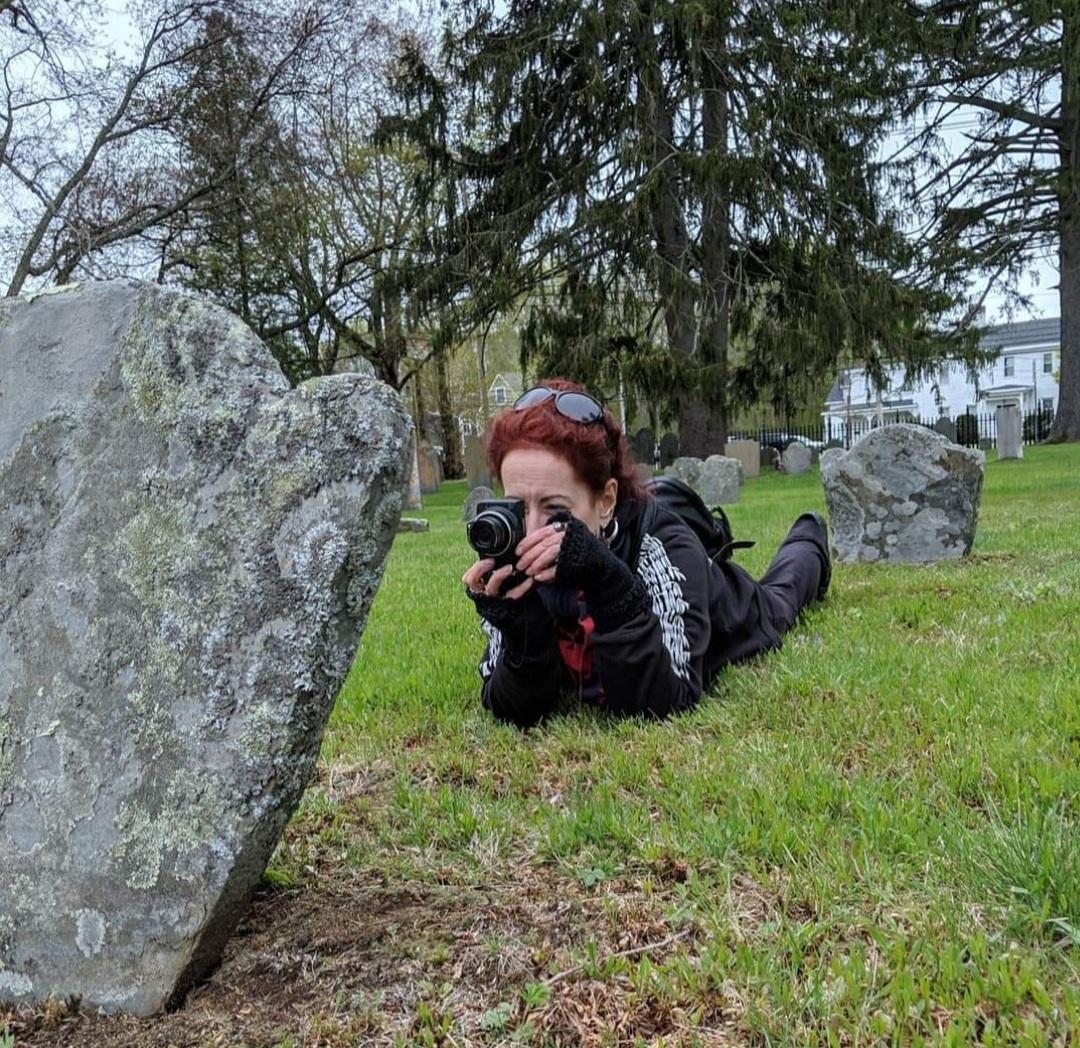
x=610, y=532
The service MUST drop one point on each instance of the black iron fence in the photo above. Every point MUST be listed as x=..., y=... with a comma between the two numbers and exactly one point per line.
x=971, y=430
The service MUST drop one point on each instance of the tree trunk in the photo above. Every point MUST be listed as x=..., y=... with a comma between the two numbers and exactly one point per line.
x=715, y=244
x=452, y=464
x=674, y=279
x=1067, y=421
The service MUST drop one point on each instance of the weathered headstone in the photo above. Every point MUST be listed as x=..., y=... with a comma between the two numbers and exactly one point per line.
x=412, y=496
x=477, y=473
x=412, y=524
x=1010, y=432
x=687, y=469
x=947, y=428
x=188, y=551
x=430, y=468
x=669, y=449
x=796, y=458
x=719, y=481
x=478, y=494
x=642, y=445
x=902, y=493
x=748, y=452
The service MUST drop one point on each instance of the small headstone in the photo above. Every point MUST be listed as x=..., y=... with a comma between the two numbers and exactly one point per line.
x=770, y=458
x=478, y=494
x=1010, y=432
x=412, y=524
x=947, y=428
x=902, y=493
x=748, y=452
x=188, y=551
x=796, y=458
x=430, y=469
x=687, y=469
x=669, y=449
x=719, y=481
x=477, y=473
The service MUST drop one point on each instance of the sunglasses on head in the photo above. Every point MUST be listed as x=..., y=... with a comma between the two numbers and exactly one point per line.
x=579, y=407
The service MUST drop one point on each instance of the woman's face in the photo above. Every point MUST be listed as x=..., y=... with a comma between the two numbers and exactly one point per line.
x=546, y=482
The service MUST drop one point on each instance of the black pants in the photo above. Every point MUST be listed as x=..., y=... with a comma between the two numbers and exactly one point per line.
x=750, y=616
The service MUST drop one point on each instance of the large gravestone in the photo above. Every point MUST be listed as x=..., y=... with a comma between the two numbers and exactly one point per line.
x=902, y=493
x=188, y=551
x=796, y=458
x=719, y=481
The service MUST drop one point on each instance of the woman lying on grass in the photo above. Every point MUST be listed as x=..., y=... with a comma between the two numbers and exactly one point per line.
x=620, y=601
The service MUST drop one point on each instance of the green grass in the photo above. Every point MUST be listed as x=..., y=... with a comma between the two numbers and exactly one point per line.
x=868, y=837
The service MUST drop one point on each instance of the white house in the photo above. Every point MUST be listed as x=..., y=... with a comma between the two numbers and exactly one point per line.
x=1024, y=374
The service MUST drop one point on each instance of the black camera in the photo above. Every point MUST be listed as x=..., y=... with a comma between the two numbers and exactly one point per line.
x=496, y=529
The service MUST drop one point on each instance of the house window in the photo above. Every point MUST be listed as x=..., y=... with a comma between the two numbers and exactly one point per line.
x=1010, y=367
x=1048, y=363
x=500, y=394
x=1048, y=403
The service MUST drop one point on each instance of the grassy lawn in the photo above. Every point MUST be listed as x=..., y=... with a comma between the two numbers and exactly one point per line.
x=868, y=837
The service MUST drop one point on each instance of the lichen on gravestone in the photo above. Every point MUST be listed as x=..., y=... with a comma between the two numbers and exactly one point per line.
x=191, y=548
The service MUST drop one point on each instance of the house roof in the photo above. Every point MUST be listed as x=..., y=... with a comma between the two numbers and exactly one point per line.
x=1004, y=389
x=1027, y=333
x=511, y=379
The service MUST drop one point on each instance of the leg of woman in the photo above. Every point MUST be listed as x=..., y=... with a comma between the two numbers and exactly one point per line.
x=799, y=572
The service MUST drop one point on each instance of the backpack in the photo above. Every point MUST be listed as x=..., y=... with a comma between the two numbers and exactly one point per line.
x=710, y=525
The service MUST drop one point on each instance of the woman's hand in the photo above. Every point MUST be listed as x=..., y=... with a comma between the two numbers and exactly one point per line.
x=538, y=552
x=476, y=583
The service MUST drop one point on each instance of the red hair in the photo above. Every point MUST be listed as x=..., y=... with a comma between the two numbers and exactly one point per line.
x=597, y=451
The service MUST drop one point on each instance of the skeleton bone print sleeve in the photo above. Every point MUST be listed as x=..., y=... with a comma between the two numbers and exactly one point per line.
x=654, y=662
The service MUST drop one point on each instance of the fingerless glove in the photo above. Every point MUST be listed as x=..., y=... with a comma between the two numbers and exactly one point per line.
x=613, y=593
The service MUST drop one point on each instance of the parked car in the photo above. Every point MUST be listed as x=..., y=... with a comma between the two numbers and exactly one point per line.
x=778, y=440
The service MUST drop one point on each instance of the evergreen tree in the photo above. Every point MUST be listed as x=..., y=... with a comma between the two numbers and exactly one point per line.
x=1010, y=74
x=629, y=159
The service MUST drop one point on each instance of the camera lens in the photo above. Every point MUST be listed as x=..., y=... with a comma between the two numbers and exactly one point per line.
x=490, y=534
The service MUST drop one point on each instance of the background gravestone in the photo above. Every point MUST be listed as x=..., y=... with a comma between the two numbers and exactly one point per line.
x=1010, y=432
x=642, y=445
x=477, y=473
x=796, y=458
x=687, y=469
x=719, y=481
x=413, y=499
x=748, y=452
x=947, y=428
x=430, y=467
x=902, y=493
x=669, y=449
x=468, y=511
x=188, y=551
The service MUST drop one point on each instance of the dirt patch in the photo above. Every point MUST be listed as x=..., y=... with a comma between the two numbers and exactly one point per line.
x=352, y=959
